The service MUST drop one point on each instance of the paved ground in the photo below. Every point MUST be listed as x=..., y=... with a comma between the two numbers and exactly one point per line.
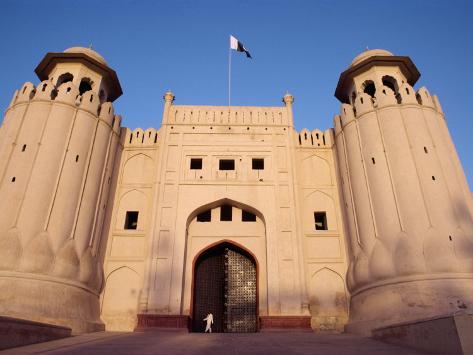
x=172, y=342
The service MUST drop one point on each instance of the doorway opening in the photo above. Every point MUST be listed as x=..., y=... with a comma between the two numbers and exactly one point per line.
x=225, y=284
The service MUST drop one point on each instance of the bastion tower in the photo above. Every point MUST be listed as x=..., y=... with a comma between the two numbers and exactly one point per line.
x=406, y=200
x=57, y=147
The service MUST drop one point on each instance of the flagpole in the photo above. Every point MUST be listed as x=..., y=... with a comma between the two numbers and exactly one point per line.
x=229, y=75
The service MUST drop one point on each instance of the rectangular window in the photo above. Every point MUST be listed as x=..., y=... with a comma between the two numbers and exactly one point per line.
x=320, y=219
x=247, y=216
x=131, y=220
x=226, y=213
x=257, y=164
x=226, y=164
x=205, y=216
x=196, y=164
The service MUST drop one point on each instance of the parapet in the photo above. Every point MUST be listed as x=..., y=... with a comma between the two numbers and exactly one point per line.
x=406, y=95
x=67, y=93
x=138, y=138
x=225, y=115
x=315, y=139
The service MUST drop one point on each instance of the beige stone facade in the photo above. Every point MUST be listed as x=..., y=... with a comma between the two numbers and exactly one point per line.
x=366, y=224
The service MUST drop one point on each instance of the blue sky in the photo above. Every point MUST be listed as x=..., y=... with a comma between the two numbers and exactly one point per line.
x=297, y=46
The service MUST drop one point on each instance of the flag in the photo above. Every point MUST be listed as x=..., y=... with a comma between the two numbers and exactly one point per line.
x=238, y=46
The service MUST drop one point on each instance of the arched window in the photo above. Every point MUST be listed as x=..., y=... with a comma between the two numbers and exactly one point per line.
x=64, y=78
x=369, y=88
x=391, y=83
x=85, y=85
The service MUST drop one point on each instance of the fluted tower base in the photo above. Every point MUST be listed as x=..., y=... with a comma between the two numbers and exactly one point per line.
x=50, y=300
x=408, y=300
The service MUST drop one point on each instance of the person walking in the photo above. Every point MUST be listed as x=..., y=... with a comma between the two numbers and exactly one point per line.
x=210, y=320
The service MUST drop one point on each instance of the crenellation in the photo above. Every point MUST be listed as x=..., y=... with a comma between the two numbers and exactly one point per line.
x=305, y=138
x=67, y=93
x=107, y=113
x=347, y=114
x=140, y=138
x=407, y=94
x=117, y=122
x=363, y=104
x=424, y=98
x=224, y=115
x=385, y=97
x=337, y=124
x=26, y=93
x=315, y=139
x=89, y=101
x=45, y=91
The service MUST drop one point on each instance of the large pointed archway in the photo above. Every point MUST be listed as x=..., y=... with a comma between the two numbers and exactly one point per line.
x=225, y=283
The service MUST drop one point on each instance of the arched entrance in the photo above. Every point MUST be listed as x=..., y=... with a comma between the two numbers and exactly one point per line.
x=225, y=284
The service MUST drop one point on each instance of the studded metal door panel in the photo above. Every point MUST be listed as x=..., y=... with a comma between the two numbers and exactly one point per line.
x=240, y=293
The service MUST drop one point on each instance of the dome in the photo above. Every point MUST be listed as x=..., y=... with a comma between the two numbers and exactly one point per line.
x=370, y=53
x=89, y=52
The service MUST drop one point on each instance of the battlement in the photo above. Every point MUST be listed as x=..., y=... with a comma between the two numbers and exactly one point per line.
x=67, y=93
x=405, y=95
x=224, y=115
x=315, y=139
x=140, y=138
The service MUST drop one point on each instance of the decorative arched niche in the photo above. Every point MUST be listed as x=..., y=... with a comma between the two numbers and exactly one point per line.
x=315, y=171
x=133, y=201
x=120, y=299
x=138, y=169
x=328, y=300
x=318, y=202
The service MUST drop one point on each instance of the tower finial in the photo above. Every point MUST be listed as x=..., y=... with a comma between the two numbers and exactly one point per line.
x=90, y=46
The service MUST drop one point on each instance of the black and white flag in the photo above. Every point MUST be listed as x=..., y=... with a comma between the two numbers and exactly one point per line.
x=238, y=46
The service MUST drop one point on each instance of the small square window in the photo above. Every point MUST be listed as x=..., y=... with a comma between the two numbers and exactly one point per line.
x=226, y=213
x=196, y=164
x=131, y=220
x=320, y=219
x=205, y=216
x=257, y=164
x=247, y=216
x=226, y=164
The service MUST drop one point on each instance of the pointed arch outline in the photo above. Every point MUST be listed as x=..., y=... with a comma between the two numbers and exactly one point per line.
x=315, y=155
x=187, y=259
x=135, y=155
x=105, y=282
x=224, y=201
x=122, y=197
x=215, y=245
x=322, y=192
x=322, y=160
x=128, y=192
x=128, y=159
x=344, y=283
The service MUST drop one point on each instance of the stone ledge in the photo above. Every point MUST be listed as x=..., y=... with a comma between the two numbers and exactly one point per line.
x=18, y=332
x=147, y=321
x=286, y=323
x=450, y=334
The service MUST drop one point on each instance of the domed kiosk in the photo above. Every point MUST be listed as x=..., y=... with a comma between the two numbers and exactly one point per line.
x=93, y=73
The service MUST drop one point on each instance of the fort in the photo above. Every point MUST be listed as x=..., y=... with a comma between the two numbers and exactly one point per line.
x=229, y=209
